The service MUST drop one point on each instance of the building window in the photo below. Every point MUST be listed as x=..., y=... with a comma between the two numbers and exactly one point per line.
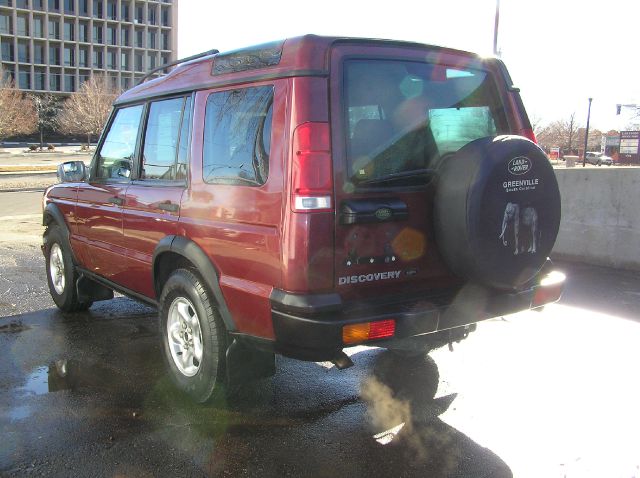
x=152, y=40
x=138, y=62
x=54, y=5
x=54, y=55
x=125, y=83
x=111, y=36
x=111, y=60
x=152, y=61
x=83, y=8
x=23, y=51
x=97, y=8
x=24, y=79
x=5, y=23
x=165, y=58
x=7, y=50
x=70, y=83
x=124, y=12
x=82, y=79
x=83, y=32
x=54, y=29
x=124, y=61
x=39, y=79
x=97, y=59
x=83, y=57
x=69, y=6
x=38, y=53
x=22, y=4
x=125, y=39
x=151, y=15
x=165, y=17
x=54, y=81
x=38, y=5
x=139, y=38
x=165, y=41
x=69, y=56
x=38, y=27
x=97, y=34
x=111, y=10
x=139, y=13
x=23, y=25
x=69, y=31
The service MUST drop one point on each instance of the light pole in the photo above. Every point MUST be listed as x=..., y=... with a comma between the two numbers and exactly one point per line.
x=586, y=135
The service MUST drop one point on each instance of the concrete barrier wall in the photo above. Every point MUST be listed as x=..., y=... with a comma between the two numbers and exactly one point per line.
x=600, y=216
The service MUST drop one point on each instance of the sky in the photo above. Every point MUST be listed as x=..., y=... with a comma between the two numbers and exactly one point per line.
x=559, y=52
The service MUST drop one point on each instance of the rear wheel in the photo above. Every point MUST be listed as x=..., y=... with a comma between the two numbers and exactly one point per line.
x=61, y=271
x=193, y=336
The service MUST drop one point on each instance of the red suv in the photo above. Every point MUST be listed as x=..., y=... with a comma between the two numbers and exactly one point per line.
x=308, y=195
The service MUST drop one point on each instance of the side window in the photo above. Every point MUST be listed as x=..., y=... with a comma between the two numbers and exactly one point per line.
x=237, y=136
x=115, y=159
x=159, y=157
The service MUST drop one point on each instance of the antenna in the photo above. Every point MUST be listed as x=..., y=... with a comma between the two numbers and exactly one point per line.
x=174, y=63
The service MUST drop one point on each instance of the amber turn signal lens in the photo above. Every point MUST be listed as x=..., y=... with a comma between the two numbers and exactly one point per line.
x=356, y=333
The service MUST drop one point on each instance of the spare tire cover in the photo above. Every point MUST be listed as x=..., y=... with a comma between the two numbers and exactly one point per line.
x=497, y=211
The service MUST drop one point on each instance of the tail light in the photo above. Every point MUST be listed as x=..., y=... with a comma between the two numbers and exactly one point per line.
x=312, y=174
x=356, y=333
x=529, y=134
x=549, y=290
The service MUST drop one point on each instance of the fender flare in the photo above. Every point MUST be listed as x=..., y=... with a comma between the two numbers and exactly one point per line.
x=193, y=253
x=52, y=211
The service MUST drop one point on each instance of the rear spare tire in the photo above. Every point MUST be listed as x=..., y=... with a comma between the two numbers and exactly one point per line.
x=497, y=211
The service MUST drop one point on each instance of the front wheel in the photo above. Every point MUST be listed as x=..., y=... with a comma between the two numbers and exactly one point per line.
x=61, y=271
x=193, y=335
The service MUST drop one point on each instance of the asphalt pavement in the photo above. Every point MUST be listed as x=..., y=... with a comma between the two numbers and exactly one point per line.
x=537, y=394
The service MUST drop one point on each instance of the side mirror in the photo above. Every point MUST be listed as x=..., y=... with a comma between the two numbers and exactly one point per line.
x=72, y=172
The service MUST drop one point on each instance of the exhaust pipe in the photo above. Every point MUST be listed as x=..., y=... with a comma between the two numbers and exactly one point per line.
x=342, y=361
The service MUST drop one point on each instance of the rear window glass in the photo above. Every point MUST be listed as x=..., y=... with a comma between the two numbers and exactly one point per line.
x=237, y=136
x=403, y=116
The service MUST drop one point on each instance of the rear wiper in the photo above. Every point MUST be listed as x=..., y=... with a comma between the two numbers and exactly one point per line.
x=397, y=176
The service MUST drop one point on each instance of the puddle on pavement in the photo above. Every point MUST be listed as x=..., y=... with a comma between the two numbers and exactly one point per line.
x=52, y=378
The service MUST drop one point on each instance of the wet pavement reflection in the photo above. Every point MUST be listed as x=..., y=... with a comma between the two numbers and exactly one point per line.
x=88, y=392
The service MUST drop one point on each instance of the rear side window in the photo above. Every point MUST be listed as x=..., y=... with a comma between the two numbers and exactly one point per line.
x=165, y=140
x=115, y=160
x=404, y=116
x=237, y=136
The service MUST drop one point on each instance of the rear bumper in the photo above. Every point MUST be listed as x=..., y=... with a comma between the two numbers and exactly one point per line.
x=309, y=327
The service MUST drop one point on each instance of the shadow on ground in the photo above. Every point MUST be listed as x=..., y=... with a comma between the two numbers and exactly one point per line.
x=88, y=393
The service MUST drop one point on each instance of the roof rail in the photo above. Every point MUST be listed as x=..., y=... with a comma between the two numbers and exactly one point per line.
x=174, y=63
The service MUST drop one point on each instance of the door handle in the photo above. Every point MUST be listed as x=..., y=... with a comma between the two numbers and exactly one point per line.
x=168, y=206
x=115, y=200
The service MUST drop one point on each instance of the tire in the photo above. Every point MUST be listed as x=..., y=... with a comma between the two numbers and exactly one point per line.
x=193, y=336
x=61, y=271
x=479, y=194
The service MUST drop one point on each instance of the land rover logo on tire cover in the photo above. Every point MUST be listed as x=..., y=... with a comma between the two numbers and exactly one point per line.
x=383, y=213
x=519, y=165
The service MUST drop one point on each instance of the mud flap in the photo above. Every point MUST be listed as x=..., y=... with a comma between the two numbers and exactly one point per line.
x=246, y=364
x=90, y=291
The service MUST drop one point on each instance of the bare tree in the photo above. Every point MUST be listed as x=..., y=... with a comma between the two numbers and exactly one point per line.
x=17, y=114
x=87, y=110
x=560, y=133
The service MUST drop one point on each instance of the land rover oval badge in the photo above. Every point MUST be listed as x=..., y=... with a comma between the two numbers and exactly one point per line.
x=519, y=165
x=383, y=213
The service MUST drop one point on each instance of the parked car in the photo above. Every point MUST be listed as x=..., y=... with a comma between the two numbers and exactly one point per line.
x=305, y=196
x=598, y=159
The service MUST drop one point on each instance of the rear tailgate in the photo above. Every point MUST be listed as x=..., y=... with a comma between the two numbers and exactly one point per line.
x=397, y=111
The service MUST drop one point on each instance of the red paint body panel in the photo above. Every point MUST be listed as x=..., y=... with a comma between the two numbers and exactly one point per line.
x=100, y=229
x=145, y=225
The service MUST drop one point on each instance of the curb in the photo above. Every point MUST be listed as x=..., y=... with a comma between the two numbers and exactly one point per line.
x=28, y=168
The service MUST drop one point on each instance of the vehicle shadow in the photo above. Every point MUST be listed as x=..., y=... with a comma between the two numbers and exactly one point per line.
x=102, y=380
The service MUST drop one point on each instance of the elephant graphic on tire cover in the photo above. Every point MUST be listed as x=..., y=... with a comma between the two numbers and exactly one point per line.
x=521, y=220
